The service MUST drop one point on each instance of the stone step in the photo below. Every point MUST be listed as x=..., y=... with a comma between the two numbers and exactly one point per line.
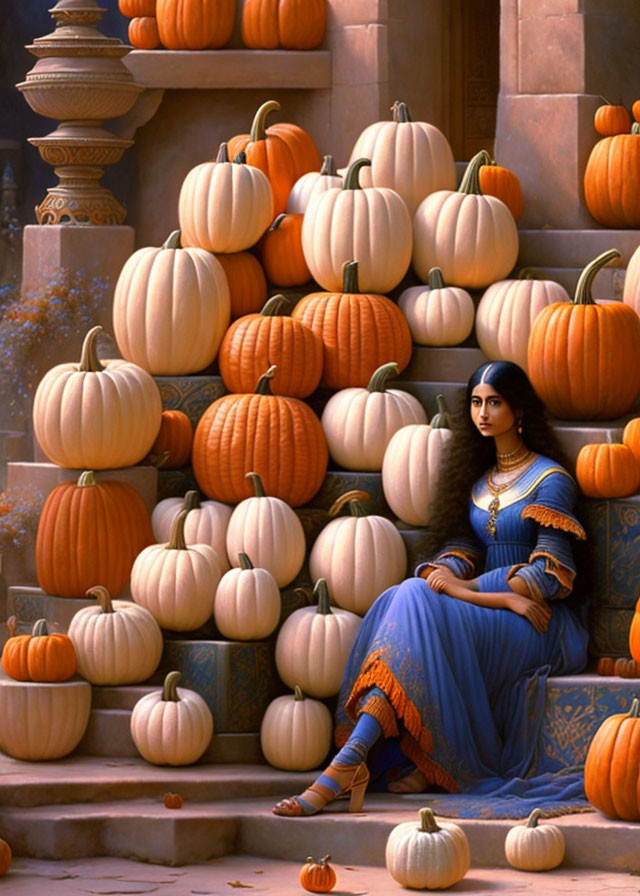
x=607, y=284
x=453, y=364
x=574, y=248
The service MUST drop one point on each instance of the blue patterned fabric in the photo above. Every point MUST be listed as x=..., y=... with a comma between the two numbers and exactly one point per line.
x=466, y=684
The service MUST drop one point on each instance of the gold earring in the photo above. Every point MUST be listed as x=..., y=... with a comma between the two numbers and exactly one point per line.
x=520, y=426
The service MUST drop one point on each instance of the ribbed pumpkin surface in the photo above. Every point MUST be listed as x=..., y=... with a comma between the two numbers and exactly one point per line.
x=279, y=438
x=612, y=181
x=195, y=24
x=88, y=535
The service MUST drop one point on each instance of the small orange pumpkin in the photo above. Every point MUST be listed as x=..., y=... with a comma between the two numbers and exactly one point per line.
x=195, y=24
x=610, y=120
x=290, y=24
x=606, y=666
x=133, y=8
x=626, y=668
x=247, y=282
x=172, y=448
x=631, y=436
x=635, y=110
x=143, y=33
x=317, y=876
x=612, y=179
x=280, y=251
x=607, y=470
x=612, y=766
x=634, y=634
x=503, y=184
x=40, y=656
x=172, y=800
x=5, y=857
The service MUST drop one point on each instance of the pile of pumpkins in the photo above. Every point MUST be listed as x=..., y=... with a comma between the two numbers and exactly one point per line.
x=194, y=25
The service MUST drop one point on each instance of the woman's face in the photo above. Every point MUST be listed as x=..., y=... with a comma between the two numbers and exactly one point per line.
x=490, y=412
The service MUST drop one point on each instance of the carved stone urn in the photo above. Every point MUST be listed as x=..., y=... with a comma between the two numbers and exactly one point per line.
x=80, y=81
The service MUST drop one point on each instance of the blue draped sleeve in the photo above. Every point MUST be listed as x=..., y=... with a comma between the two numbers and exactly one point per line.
x=464, y=558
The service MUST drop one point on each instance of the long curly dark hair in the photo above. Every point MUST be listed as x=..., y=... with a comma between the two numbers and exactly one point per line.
x=470, y=454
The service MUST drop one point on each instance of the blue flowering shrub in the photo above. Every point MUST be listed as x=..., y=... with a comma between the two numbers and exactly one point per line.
x=19, y=514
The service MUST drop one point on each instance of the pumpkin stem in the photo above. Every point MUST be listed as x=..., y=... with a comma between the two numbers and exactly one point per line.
x=258, y=487
x=400, y=112
x=428, y=823
x=176, y=536
x=223, y=153
x=259, y=126
x=264, y=383
x=353, y=499
x=526, y=274
x=102, y=595
x=277, y=221
x=532, y=820
x=243, y=560
x=352, y=177
x=191, y=500
x=471, y=181
x=12, y=624
x=583, y=289
x=86, y=479
x=328, y=166
x=322, y=592
x=241, y=158
x=634, y=712
x=380, y=377
x=40, y=628
x=635, y=128
x=350, y=277
x=276, y=306
x=172, y=241
x=89, y=362
x=441, y=419
x=306, y=593
x=435, y=279
x=170, y=687
x=297, y=693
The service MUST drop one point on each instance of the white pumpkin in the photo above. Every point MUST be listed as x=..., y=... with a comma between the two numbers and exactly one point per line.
x=312, y=184
x=247, y=605
x=359, y=422
x=313, y=645
x=411, y=157
x=206, y=522
x=175, y=582
x=472, y=238
x=437, y=314
x=534, y=847
x=360, y=556
x=411, y=467
x=270, y=532
x=172, y=726
x=372, y=226
x=427, y=856
x=42, y=720
x=506, y=313
x=117, y=642
x=171, y=308
x=631, y=288
x=295, y=734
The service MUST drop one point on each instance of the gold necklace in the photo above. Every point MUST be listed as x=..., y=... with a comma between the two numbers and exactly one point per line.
x=497, y=490
x=513, y=459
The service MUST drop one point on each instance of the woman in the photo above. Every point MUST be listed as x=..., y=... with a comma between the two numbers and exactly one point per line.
x=449, y=668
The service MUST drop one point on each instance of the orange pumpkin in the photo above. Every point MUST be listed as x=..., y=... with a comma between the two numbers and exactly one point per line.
x=90, y=532
x=625, y=667
x=635, y=110
x=631, y=436
x=5, y=857
x=254, y=342
x=305, y=154
x=268, y=152
x=247, y=282
x=503, y=184
x=606, y=666
x=612, y=180
x=173, y=446
x=612, y=767
x=317, y=876
x=610, y=120
x=195, y=24
x=345, y=322
x=634, y=634
x=40, y=656
x=143, y=33
x=172, y=800
x=279, y=438
x=583, y=356
x=606, y=470
x=290, y=24
x=280, y=251
x=134, y=8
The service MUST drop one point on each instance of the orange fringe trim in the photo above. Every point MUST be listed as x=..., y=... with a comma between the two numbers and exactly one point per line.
x=433, y=564
x=416, y=742
x=563, y=574
x=553, y=518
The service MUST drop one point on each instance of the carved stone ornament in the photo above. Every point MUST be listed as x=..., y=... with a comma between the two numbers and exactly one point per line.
x=79, y=80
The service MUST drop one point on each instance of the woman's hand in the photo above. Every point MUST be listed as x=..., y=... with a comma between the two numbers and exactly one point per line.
x=439, y=577
x=537, y=614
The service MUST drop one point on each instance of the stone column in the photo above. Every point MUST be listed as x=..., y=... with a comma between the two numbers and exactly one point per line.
x=559, y=59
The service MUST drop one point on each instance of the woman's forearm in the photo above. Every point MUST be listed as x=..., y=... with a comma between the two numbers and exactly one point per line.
x=497, y=600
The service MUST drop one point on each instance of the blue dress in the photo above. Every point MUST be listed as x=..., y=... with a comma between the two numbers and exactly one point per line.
x=464, y=685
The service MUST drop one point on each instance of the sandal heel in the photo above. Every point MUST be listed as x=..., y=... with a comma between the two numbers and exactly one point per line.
x=356, y=798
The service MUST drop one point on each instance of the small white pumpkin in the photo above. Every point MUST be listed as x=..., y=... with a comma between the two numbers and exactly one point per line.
x=428, y=855
x=312, y=184
x=411, y=467
x=437, y=314
x=175, y=582
x=313, y=645
x=631, y=288
x=270, y=532
x=117, y=642
x=247, y=605
x=359, y=422
x=206, y=522
x=360, y=556
x=295, y=734
x=534, y=847
x=172, y=726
